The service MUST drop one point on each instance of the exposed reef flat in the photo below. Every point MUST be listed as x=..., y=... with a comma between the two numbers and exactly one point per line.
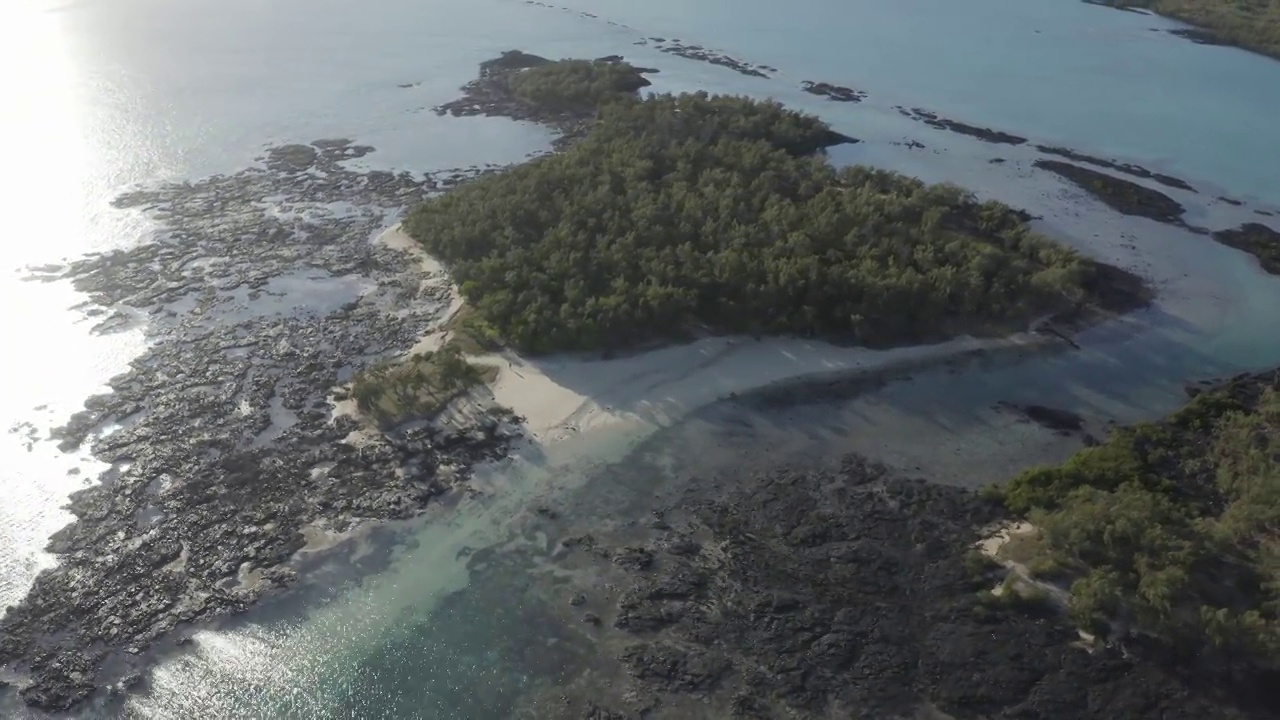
x=843, y=593
x=228, y=449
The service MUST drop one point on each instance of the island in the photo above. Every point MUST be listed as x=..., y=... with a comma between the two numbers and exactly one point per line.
x=1249, y=24
x=670, y=217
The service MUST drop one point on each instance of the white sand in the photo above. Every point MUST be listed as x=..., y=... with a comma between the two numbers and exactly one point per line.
x=562, y=396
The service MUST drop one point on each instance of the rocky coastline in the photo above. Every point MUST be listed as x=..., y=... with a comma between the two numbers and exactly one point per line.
x=842, y=592
x=227, y=454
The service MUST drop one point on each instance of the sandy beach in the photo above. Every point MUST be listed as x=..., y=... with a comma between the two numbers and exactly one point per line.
x=563, y=396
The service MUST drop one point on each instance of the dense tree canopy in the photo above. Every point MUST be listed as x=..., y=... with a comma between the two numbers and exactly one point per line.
x=573, y=84
x=1174, y=527
x=1250, y=24
x=689, y=212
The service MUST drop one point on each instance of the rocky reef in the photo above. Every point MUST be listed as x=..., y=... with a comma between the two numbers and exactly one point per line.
x=711, y=57
x=1127, y=168
x=1119, y=194
x=259, y=294
x=838, y=93
x=935, y=120
x=1258, y=240
x=841, y=593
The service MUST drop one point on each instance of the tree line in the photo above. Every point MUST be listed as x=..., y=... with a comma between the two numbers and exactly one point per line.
x=1172, y=529
x=695, y=213
x=1250, y=24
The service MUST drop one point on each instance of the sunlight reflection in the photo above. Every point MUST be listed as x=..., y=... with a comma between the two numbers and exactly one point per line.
x=43, y=122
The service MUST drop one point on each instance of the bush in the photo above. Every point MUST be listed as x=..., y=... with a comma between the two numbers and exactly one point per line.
x=418, y=387
x=1174, y=527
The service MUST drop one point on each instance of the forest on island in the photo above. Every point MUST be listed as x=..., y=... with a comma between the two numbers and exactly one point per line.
x=574, y=84
x=1250, y=24
x=1172, y=529
x=676, y=215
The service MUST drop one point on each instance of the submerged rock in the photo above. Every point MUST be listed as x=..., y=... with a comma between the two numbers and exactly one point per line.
x=1127, y=168
x=1118, y=194
x=932, y=119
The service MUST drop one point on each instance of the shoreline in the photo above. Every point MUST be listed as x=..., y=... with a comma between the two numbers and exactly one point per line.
x=564, y=397
x=561, y=396
x=1197, y=32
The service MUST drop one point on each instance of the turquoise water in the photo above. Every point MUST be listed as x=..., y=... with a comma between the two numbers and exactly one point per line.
x=110, y=94
x=1060, y=71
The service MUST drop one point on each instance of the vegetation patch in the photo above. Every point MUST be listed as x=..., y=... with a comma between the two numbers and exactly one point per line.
x=1171, y=530
x=1118, y=194
x=1249, y=24
x=417, y=387
x=577, y=84
x=1256, y=239
x=678, y=215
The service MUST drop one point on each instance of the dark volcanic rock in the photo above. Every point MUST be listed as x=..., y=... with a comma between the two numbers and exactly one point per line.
x=838, y=93
x=672, y=669
x=227, y=449
x=1127, y=168
x=847, y=594
x=1120, y=195
x=985, y=134
x=1258, y=240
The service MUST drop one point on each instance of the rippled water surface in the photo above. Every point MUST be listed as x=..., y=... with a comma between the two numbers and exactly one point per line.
x=105, y=95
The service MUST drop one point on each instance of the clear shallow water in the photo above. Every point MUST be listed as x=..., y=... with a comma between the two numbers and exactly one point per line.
x=1060, y=71
x=117, y=93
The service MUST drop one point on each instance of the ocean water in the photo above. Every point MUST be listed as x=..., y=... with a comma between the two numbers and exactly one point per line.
x=102, y=96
